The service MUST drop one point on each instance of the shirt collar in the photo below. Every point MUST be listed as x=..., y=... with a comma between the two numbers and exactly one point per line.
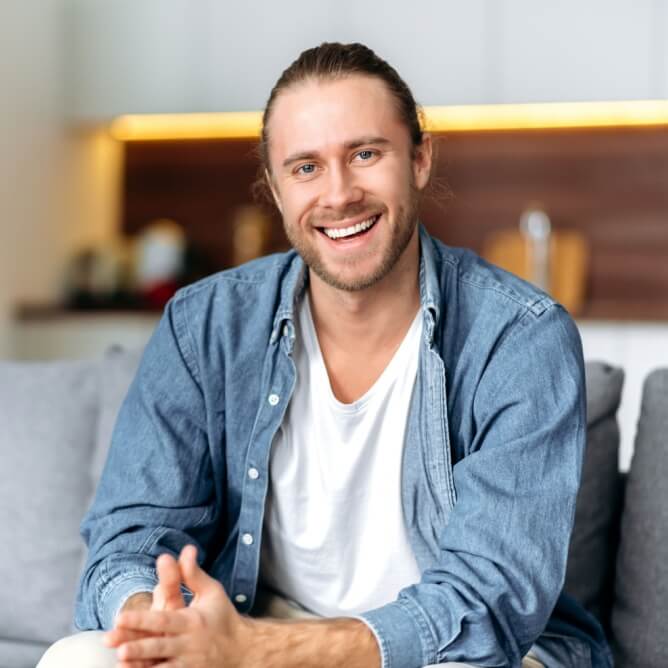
x=430, y=291
x=296, y=280
x=292, y=289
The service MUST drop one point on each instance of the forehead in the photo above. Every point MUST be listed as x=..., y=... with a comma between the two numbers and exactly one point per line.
x=323, y=115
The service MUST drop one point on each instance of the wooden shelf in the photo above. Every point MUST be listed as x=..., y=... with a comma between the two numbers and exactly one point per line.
x=26, y=313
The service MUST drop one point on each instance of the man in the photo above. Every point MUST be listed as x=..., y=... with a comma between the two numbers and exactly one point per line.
x=363, y=453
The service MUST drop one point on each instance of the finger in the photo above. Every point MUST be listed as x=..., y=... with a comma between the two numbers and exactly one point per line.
x=153, y=621
x=197, y=580
x=137, y=664
x=163, y=647
x=118, y=636
x=167, y=594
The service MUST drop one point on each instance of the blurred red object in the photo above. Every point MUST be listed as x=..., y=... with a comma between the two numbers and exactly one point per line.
x=158, y=294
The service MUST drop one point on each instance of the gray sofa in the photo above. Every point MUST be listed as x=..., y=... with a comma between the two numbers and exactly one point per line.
x=55, y=425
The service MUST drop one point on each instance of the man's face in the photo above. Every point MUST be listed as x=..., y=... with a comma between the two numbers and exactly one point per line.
x=344, y=178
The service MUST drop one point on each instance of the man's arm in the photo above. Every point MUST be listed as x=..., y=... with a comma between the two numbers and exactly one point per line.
x=156, y=492
x=314, y=644
x=211, y=632
x=503, y=547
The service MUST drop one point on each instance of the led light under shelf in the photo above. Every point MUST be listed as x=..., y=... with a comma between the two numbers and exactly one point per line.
x=246, y=125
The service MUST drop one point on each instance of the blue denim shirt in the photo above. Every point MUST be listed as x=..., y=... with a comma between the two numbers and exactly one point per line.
x=491, y=468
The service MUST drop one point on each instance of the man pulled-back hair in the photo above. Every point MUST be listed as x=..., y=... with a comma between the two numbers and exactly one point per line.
x=363, y=452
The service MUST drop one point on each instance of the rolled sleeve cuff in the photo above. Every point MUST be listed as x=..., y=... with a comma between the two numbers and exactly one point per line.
x=398, y=635
x=118, y=590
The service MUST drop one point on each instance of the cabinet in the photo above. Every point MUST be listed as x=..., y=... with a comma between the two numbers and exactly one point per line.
x=136, y=56
x=594, y=50
x=660, y=37
x=144, y=56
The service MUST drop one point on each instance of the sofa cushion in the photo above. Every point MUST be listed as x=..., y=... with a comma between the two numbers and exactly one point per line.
x=641, y=583
x=18, y=654
x=48, y=416
x=590, y=571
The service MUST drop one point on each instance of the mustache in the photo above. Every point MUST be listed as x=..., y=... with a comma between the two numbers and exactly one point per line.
x=352, y=211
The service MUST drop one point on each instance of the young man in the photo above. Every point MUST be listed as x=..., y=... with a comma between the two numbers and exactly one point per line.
x=376, y=438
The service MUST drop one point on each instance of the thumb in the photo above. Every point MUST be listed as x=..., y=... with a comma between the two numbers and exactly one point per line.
x=194, y=577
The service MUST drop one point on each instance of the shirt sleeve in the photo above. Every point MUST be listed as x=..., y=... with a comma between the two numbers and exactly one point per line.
x=156, y=492
x=502, y=554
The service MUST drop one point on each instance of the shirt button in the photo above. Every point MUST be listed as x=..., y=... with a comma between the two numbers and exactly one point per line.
x=247, y=539
x=273, y=399
x=240, y=598
x=253, y=473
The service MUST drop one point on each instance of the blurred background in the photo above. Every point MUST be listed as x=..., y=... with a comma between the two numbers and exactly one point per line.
x=551, y=118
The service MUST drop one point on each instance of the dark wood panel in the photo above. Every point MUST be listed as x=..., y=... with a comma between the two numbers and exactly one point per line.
x=610, y=185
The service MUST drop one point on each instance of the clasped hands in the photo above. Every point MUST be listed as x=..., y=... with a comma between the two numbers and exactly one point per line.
x=206, y=634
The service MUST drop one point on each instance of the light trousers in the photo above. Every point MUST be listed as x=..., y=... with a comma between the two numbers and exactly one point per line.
x=85, y=650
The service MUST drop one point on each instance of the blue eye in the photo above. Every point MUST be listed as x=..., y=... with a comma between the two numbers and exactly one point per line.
x=366, y=155
x=308, y=168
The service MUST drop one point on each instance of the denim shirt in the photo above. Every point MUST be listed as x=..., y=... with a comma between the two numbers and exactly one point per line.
x=491, y=467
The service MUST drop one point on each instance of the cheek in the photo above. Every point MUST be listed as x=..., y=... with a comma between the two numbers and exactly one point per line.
x=393, y=181
x=297, y=204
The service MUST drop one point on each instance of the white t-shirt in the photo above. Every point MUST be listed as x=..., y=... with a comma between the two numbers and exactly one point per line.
x=334, y=535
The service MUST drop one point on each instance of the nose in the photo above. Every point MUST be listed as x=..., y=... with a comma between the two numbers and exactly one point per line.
x=339, y=188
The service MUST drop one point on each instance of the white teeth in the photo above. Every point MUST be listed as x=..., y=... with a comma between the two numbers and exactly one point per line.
x=353, y=229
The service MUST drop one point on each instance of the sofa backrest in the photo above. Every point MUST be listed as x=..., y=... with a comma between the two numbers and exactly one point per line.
x=641, y=584
x=56, y=420
x=48, y=419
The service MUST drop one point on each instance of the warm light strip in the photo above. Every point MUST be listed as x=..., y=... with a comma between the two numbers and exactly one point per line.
x=547, y=115
x=223, y=125
x=246, y=125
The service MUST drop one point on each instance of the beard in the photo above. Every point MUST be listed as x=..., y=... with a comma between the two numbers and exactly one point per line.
x=402, y=232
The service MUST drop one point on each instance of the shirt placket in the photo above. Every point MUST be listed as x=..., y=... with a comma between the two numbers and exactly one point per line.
x=276, y=393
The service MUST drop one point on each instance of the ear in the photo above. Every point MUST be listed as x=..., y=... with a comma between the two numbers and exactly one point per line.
x=422, y=161
x=274, y=192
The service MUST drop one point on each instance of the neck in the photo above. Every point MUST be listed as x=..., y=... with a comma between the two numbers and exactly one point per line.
x=366, y=320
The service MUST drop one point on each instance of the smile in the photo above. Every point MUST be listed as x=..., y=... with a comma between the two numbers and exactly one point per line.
x=353, y=230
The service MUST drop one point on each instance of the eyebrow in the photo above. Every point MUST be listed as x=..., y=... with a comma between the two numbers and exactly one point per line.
x=353, y=143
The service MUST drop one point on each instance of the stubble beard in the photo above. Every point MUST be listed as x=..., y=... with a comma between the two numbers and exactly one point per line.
x=402, y=233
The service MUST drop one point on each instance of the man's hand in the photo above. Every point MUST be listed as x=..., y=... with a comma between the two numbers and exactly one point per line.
x=210, y=633
x=206, y=634
x=166, y=596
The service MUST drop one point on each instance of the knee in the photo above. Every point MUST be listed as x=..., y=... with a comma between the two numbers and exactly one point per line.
x=82, y=650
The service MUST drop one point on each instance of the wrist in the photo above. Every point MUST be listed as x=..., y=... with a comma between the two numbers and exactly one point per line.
x=139, y=601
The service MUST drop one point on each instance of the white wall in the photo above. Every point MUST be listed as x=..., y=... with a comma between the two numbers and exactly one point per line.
x=638, y=348
x=58, y=189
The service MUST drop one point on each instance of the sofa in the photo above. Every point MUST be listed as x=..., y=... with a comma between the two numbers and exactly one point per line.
x=56, y=420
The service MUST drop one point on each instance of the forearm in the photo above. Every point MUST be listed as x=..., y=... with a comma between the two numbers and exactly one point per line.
x=313, y=643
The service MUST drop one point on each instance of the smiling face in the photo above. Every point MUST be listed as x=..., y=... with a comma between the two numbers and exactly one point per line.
x=346, y=178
